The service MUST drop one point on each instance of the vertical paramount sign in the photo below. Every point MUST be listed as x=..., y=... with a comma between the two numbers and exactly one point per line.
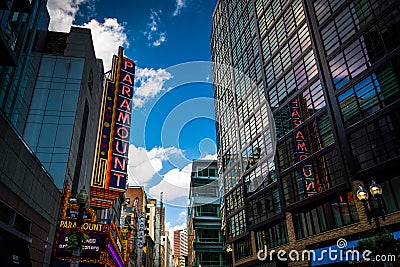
x=111, y=160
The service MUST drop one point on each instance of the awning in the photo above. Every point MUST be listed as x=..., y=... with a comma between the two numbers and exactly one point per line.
x=13, y=251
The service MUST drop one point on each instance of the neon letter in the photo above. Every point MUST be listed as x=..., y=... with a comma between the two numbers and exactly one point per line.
x=127, y=78
x=125, y=105
x=117, y=147
x=124, y=118
x=299, y=135
x=128, y=64
x=126, y=90
x=119, y=175
x=301, y=146
x=295, y=113
x=307, y=173
x=122, y=132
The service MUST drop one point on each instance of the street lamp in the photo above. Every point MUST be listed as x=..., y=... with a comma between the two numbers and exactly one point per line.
x=373, y=206
x=83, y=203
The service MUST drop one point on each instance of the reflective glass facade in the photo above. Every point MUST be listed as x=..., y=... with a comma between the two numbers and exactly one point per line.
x=52, y=112
x=329, y=71
x=62, y=123
x=18, y=29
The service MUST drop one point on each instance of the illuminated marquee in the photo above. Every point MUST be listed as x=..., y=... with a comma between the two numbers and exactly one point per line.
x=115, y=248
x=302, y=151
x=104, y=246
x=94, y=250
x=126, y=243
x=111, y=160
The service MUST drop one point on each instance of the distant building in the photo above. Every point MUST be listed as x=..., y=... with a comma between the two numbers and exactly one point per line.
x=151, y=217
x=204, y=232
x=177, y=243
x=180, y=247
x=168, y=258
x=159, y=231
x=183, y=248
x=134, y=215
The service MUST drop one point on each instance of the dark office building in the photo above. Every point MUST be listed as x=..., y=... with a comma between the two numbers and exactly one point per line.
x=204, y=231
x=29, y=200
x=329, y=72
x=49, y=103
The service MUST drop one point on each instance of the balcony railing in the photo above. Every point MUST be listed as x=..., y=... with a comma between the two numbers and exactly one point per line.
x=208, y=240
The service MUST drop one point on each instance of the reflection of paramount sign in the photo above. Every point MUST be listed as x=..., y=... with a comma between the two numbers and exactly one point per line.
x=301, y=150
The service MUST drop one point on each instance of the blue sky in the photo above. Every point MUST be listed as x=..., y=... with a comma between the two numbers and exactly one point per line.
x=173, y=120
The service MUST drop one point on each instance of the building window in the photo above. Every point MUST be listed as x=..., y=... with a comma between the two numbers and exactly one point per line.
x=234, y=200
x=207, y=210
x=376, y=142
x=236, y=225
x=207, y=172
x=242, y=249
x=370, y=95
x=264, y=206
x=336, y=213
x=391, y=198
x=276, y=235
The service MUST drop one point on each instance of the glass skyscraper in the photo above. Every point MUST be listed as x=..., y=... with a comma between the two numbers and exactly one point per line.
x=329, y=73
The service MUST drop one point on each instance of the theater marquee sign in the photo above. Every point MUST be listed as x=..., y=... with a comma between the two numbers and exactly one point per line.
x=94, y=250
x=111, y=159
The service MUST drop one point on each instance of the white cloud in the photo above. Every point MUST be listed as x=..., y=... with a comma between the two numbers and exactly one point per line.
x=175, y=184
x=148, y=83
x=182, y=216
x=107, y=37
x=154, y=35
x=62, y=13
x=211, y=157
x=180, y=4
x=144, y=165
